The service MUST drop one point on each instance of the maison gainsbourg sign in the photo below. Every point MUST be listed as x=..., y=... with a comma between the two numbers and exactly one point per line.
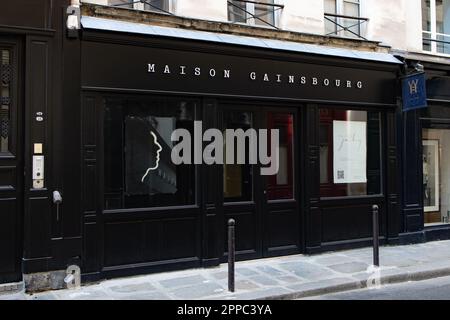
x=157, y=69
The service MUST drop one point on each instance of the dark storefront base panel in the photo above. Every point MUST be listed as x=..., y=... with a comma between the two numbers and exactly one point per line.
x=436, y=233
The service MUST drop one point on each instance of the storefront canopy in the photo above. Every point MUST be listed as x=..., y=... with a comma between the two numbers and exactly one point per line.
x=129, y=27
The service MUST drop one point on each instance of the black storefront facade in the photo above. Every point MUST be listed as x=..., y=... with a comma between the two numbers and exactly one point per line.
x=90, y=100
x=425, y=215
x=176, y=82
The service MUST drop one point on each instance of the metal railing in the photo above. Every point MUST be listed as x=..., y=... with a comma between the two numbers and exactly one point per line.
x=136, y=4
x=436, y=45
x=339, y=20
x=246, y=14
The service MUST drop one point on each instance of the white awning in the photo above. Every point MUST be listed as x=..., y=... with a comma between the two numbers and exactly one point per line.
x=138, y=28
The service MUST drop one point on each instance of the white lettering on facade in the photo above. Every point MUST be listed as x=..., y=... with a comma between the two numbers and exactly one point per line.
x=167, y=69
x=265, y=77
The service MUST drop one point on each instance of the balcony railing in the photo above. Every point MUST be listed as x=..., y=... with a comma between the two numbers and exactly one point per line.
x=259, y=12
x=347, y=26
x=439, y=43
x=144, y=5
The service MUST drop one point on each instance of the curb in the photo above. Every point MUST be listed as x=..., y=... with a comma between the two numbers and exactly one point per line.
x=10, y=288
x=362, y=284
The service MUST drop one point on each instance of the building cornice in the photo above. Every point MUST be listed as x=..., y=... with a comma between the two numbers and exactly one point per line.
x=165, y=20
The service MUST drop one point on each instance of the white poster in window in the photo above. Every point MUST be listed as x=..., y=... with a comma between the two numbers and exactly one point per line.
x=349, y=152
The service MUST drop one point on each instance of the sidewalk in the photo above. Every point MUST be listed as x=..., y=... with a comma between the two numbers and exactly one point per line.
x=288, y=277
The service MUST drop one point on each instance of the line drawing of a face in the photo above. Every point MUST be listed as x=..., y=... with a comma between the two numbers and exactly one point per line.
x=155, y=140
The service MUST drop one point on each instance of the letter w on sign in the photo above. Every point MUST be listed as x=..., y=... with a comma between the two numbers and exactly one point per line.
x=413, y=85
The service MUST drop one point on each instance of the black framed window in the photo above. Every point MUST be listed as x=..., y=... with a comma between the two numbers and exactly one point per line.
x=350, y=153
x=5, y=99
x=139, y=172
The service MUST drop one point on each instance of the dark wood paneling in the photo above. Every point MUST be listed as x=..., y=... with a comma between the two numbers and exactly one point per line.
x=132, y=242
x=37, y=228
x=313, y=215
x=27, y=13
x=392, y=179
x=8, y=236
x=8, y=178
x=282, y=230
x=349, y=221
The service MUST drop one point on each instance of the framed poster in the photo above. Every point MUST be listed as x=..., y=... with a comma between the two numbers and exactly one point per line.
x=430, y=158
x=349, y=152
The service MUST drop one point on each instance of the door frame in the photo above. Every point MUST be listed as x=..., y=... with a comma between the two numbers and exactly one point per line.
x=260, y=202
x=15, y=156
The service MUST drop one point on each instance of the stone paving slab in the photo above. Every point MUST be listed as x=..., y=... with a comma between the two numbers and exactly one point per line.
x=288, y=277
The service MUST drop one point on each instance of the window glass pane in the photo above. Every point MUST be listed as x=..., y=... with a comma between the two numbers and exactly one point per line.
x=426, y=15
x=281, y=186
x=5, y=98
x=350, y=152
x=436, y=175
x=330, y=7
x=236, y=11
x=351, y=8
x=264, y=13
x=154, y=5
x=121, y=3
x=439, y=16
x=139, y=171
x=238, y=178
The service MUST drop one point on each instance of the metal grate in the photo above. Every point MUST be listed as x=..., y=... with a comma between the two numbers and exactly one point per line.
x=5, y=100
x=341, y=24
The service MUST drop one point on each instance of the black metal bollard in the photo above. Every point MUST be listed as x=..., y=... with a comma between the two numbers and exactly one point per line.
x=376, y=233
x=231, y=254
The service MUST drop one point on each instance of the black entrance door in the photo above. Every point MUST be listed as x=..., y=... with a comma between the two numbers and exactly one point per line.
x=264, y=205
x=10, y=163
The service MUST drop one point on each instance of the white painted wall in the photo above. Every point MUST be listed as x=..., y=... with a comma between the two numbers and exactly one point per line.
x=395, y=23
x=303, y=16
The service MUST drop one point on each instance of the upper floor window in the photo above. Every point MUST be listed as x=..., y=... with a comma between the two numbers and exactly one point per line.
x=436, y=26
x=342, y=18
x=258, y=12
x=149, y=5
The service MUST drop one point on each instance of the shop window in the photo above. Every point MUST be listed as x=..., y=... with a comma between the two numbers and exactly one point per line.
x=350, y=153
x=139, y=172
x=281, y=185
x=436, y=26
x=149, y=5
x=342, y=18
x=436, y=175
x=238, y=178
x=5, y=99
x=260, y=12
